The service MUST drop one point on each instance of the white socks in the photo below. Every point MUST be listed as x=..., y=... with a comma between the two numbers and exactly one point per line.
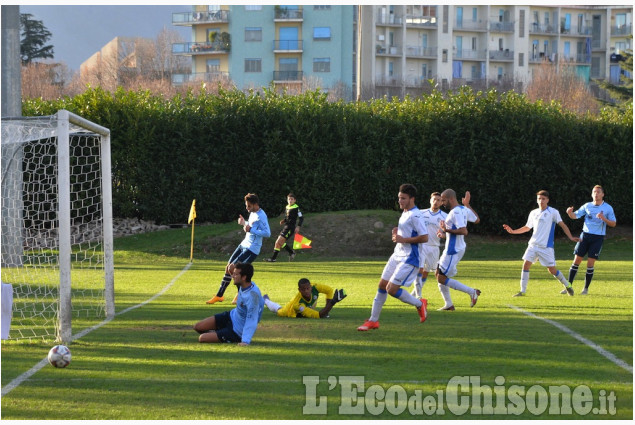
x=524, y=279
x=378, y=304
x=272, y=306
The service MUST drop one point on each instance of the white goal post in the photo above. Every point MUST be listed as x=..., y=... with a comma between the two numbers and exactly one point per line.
x=57, y=240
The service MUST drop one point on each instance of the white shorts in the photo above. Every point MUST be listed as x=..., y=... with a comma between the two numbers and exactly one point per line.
x=448, y=263
x=546, y=256
x=430, y=258
x=399, y=273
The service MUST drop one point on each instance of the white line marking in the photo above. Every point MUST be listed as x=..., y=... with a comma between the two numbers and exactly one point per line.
x=26, y=375
x=580, y=338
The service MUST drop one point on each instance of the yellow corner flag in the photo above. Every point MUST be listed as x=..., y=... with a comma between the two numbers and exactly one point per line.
x=192, y=219
x=192, y=212
x=300, y=242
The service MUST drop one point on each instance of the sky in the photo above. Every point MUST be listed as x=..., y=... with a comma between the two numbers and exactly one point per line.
x=80, y=31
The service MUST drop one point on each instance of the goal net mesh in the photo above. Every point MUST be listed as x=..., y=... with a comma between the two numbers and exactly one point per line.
x=31, y=227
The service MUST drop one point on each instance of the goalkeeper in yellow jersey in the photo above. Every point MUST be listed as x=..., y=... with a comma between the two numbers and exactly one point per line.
x=304, y=303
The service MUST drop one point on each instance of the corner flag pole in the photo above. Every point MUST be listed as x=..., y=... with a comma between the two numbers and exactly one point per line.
x=192, y=219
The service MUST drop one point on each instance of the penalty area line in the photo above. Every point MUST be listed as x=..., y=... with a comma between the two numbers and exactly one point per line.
x=26, y=375
x=612, y=357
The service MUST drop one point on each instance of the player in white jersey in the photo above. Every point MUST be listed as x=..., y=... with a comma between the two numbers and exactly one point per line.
x=455, y=230
x=401, y=269
x=543, y=221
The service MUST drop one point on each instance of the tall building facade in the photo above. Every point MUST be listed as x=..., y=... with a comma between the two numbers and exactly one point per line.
x=255, y=46
x=404, y=46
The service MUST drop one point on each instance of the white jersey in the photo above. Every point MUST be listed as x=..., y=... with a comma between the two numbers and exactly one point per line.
x=411, y=224
x=544, y=224
x=432, y=220
x=456, y=219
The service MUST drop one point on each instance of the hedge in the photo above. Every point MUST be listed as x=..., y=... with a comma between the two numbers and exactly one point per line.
x=341, y=156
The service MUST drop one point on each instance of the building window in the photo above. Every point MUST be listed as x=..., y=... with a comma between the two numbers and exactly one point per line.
x=446, y=12
x=473, y=43
x=321, y=64
x=444, y=56
x=253, y=65
x=521, y=59
x=253, y=7
x=521, y=23
x=253, y=34
x=327, y=7
x=321, y=33
x=391, y=70
x=213, y=65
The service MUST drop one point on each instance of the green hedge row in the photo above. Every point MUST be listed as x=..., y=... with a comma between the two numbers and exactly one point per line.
x=340, y=156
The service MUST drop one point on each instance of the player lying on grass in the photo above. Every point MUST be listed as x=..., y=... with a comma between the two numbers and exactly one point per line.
x=304, y=303
x=237, y=325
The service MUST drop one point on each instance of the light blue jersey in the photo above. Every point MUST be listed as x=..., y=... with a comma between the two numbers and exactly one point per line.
x=259, y=229
x=248, y=311
x=592, y=224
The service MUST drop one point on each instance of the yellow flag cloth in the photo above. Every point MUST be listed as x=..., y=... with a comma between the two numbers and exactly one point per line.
x=192, y=212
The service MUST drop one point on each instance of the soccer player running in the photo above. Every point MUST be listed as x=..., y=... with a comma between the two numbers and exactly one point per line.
x=237, y=325
x=256, y=227
x=403, y=265
x=543, y=221
x=597, y=215
x=454, y=229
x=291, y=223
x=305, y=301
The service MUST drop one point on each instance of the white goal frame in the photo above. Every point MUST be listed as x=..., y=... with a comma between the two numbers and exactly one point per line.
x=68, y=123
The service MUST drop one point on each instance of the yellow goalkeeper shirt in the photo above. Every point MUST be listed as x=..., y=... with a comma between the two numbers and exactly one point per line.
x=292, y=308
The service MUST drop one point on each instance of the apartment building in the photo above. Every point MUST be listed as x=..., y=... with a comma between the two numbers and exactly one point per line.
x=404, y=46
x=255, y=46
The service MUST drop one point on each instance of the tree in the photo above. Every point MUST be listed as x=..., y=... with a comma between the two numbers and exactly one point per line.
x=622, y=92
x=34, y=37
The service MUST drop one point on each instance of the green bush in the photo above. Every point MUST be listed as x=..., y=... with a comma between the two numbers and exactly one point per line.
x=341, y=156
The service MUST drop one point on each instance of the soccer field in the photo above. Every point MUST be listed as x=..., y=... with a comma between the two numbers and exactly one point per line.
x=545, y=355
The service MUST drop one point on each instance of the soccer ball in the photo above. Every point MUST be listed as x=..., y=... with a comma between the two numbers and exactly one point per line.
x=60, y=356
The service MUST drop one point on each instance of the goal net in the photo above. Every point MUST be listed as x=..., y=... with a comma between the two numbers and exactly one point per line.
x=57, y=247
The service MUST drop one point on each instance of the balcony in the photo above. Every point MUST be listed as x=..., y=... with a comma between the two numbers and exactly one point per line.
x=197, y=48
x=501, y=55
x=467, y=54
x=390, y=19
x=575, y=58
x=497, y=26
x=421, y=52
x=196, y=77
x=421, y=21
x=286, y=76
x=542, y=57
x=536, y=28
x=387, y=81
x=470, y=25
x=388, y=50
x=285, y=46
x=189, y=18
x=575, y=31
x=621, y=30
x=283, y=14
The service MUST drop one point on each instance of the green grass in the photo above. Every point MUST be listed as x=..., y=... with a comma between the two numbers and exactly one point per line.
x=146, y=363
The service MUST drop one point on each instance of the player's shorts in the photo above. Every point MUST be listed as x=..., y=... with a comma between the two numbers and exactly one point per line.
x=287, y=231
x=399, y=272
x=449, y=262
x=225, y=328
x=430, y=258
x=589, y=244
x=546, y=256
x=242, y=255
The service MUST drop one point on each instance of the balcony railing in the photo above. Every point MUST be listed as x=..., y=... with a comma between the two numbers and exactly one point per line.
x=467, y=25
x=199, y=77
x=537, y=28
x=575, y=30
x=467, y=54
x=287, y=75
x=390, y=19
x=388, y=50
x=284, y=14
x=287, y=45
x=576, y=58
x=200, y=48
x=189, y=18
x=542, y=57
x=501, y=55
x=421, y=21
x=622, y=30
x=497, y=26
x=421, y=51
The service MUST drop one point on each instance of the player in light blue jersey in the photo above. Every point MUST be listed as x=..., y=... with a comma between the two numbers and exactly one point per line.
x=543, y=221
x=256, y=227
x=597, y=216
x=454, y=229
x=402, y=267
x=237, y=325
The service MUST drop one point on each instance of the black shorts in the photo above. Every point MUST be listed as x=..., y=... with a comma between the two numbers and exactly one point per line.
x=225, y=328
x=287, y=231
x=589, y=244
